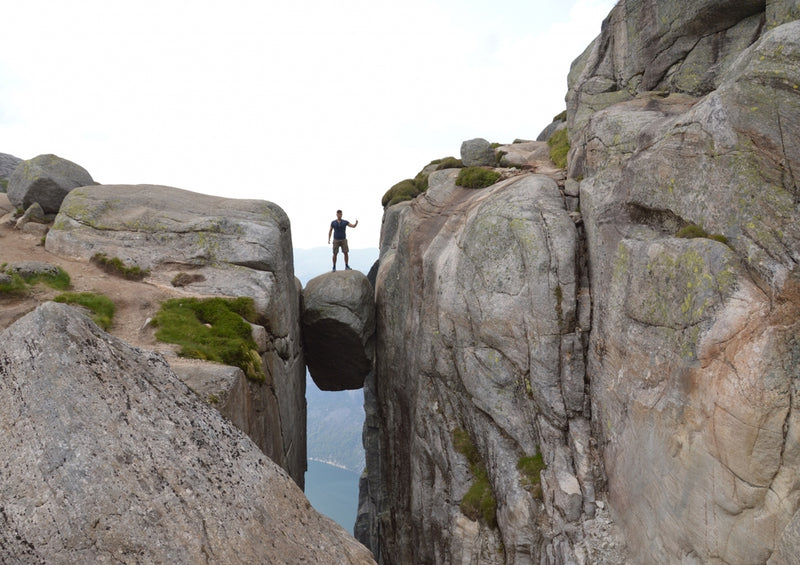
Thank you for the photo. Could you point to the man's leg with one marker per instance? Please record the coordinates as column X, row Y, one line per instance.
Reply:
column 334, row 260
column 346, row 259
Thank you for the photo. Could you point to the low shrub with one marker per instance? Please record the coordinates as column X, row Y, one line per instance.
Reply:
column 183, row 279
column 407, row 189
column 559, row 148
column 213, row 329
column 101, row 307
column 448, row 163
column 477, row 177
column 115, row 266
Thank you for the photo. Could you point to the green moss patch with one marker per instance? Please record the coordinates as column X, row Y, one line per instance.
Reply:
column 213, row 329
column 101, row 307
column 477, row 177
column 692, row 231
column 479, row 503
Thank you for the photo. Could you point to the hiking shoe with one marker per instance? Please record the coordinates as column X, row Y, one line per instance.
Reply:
column 347, row 268
column 334, row 269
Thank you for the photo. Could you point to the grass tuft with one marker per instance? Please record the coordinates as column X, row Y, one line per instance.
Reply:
column 11, row 284
column 115, row 266
column 213, row 329
column 101, row 307
column 15, row 284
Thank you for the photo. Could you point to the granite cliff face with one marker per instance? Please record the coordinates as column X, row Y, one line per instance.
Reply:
column 642, row 340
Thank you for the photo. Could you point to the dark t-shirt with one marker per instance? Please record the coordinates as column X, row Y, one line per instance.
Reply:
column 339, row 229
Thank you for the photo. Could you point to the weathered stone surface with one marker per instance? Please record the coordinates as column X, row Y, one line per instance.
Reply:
column 240, row 247
column 338, row 322
column 34, row 213
column 45, row 179
column 477, row 153
column 248, row 405
column 693, row 358
column 660, row 45
column 547, row 132
column 27, row 269
column 109, row 457
column 5, row 204
column 7, row 165
column 477, row 296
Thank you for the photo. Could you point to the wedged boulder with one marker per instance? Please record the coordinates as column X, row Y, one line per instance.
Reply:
column 231, row 247
column 45, row 180
column 110, row 457
column 338, row 321
column 477, row 153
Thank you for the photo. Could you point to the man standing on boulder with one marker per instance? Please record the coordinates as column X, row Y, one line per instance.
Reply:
column 338, row 228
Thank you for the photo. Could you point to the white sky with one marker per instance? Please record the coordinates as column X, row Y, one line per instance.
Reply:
column 312, row 104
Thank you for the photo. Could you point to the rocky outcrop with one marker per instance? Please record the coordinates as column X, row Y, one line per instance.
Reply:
column 338, row 319
column 240, row 247
column 109, row 457
column 45, row 180
column 658, row 382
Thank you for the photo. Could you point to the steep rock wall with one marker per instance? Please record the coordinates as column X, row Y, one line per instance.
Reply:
column 481, row 314
column 677, row 440
column 693, row 357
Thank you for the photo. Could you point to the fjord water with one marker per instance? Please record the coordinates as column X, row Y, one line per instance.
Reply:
column 333, row 491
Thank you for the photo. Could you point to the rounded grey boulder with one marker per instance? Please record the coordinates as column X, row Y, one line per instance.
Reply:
column 46, row 179
column 477, row 153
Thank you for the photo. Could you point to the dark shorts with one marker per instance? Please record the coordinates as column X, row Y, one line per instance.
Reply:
column 340, row 243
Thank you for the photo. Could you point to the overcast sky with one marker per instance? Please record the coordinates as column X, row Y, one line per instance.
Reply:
column 312, row 104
